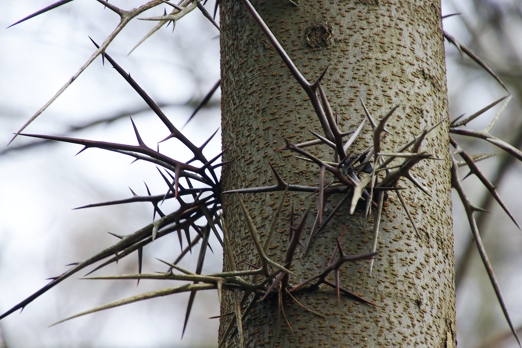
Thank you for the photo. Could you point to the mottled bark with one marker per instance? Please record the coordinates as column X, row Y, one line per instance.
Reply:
column 387, row 53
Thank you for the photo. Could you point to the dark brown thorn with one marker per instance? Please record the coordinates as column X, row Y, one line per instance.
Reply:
column 370, row 118
column 188, row 249
column 133, row 193
column 416, row 183
column 213, row 167
column 275, row 219
column 254, row 235
column 451, row 15
column 474, row 208
column 280, row 182
column 480, row 246
column 307, row 87
column 203, row 102
column 39, row 12
column 155, row 108
column 316, row 141
column 216, row 8
column 319, row 162
column 403, row 203
column 140, row 263
column 209, row 139
column 367, row 113
column 171, row 188
column 350, row 294
column 199, row 268
column 331, row 122
column 155, row 204
column 113, row 8
column 321, row 195
column 315, row 230
column 176, row 181
column 180, row 239
column 116, row 235
column 293, row 241
column 332, row 266
column 474, row 57
column 211, row 219
column 380, row 128
column 207, row 15
column 282, row 310
column 138, row 137
column 491, row 188
column 317, row 83
column 272, row 286
column 274, row 188
column 322, row 139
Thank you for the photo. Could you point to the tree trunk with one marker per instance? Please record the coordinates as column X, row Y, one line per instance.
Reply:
column 387, row 53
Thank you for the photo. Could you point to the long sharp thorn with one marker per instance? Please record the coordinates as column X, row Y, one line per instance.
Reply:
column 380, row 128
column 138, row 137
column 331, row 122
column 376, row 227
column 150, row 33
column 278, row 177
column 255, row 238
column 480, row 246
column 317, row 83
column 208, row 140
column 39, row 12
column 367, row 113
column 307, row 87
column 354, row 136
column 155, row 108
column 275, row 219
column 403, row 203
column 321, row 196
column 416, row 183
column 203, row 102
column 491, row 188
column 497, row 115
column 199, row 267
column 239, row 320
column 474, row 57
column 322, row 139
column 451, row 15
column 468, row 119
column 207, row 15
column 216, row 8
column 98, row 51
column 140, row 263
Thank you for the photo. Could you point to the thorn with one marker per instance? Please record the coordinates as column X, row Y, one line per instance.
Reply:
column 317, row 82
column 138, row 137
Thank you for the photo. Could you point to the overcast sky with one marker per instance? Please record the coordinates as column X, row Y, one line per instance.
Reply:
column 39, row 231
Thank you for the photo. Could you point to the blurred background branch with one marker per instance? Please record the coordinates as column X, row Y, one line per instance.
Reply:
column 40, row 184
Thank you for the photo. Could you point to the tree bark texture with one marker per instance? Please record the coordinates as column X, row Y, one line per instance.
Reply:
column 387, row 53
